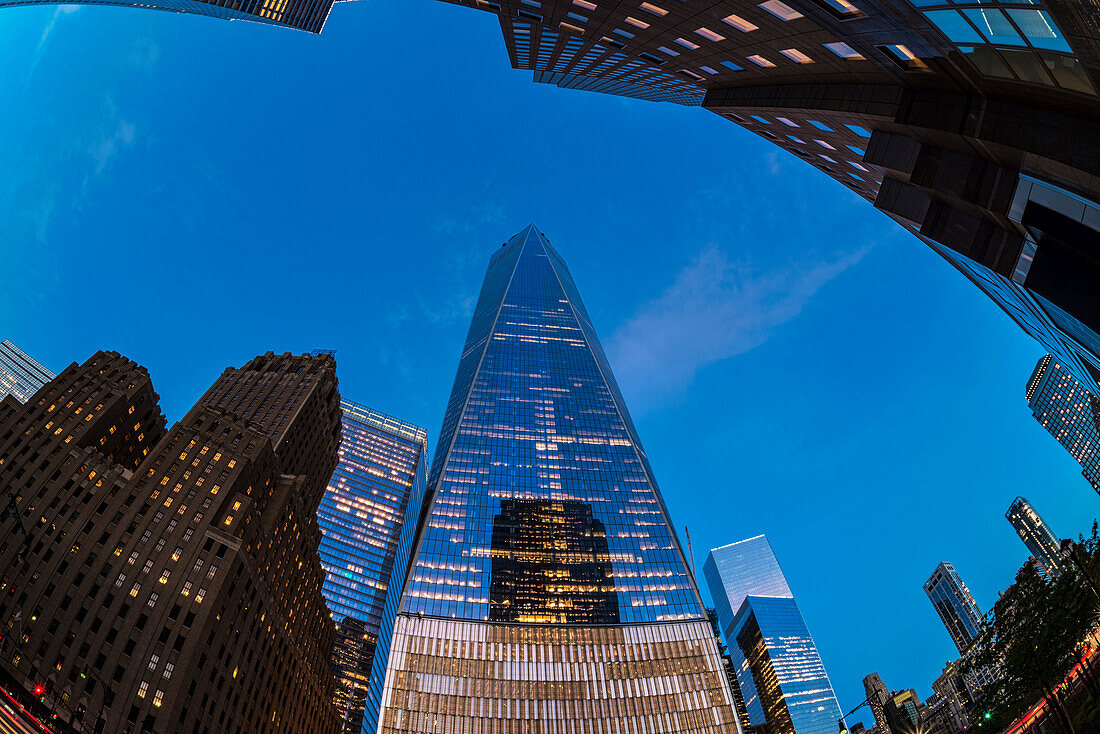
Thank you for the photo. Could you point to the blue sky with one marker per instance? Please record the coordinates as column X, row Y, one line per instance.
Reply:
column 192, row 192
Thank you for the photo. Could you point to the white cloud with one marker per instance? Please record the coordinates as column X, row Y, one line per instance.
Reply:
column 714, row 310
column 118, row 134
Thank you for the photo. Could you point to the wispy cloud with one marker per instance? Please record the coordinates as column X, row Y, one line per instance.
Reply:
column 115, row 133
column 715, row 309
column 47, row 32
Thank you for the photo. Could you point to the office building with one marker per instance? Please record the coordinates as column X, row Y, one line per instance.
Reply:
column 304, row 15
column 1066, row 408
column 168, row 580
column 782, row 679
column 955, row 605
column 877, row 696
column 380, row 477
column 549, row 589
column 969, row 123
column 20, row 375
column 1037, row 536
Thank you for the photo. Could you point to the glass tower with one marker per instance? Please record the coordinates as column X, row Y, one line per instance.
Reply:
column 549, row 591
column 1037, row 536
column 782, row 679
column 1069, row 412
column 955, row 605
column 20, row 375
column 380, row 479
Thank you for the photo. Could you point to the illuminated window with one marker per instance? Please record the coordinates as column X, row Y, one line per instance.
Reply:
column 585, row 4
column 780, row 10
column 710, row 35
column 686, row 43
column 797, row 56
column 760, row 60
column 637, row 23
column 739, row 23
column 651, row 8
column 845, row 51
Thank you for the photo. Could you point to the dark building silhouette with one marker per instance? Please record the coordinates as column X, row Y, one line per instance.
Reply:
column 972, row 124
column 551, row 564
column 164, row 581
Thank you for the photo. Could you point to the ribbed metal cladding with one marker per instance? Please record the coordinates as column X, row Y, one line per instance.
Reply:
column 456, row 677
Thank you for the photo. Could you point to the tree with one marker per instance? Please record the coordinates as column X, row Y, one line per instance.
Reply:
column 1034, row 637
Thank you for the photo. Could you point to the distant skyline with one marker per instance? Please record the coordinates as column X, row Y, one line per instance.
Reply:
column 839, row 388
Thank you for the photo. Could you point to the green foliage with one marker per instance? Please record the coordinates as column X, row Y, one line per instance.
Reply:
column 1034, row 635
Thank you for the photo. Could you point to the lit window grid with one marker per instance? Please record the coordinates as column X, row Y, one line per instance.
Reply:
column 540, row 422
column 779, row 668
column 1037, row 536
column 362, row 511
column 1063, row 406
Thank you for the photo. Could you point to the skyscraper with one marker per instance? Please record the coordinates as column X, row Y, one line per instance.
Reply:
column 549, row 590
column 955, row 605
column 380, row 478
column 877, row 696
column 20, row 375
column 783, row 681
column 1037, row 536
column 956, row 119
column 1068, row 411
column 168, row 580
column 305, row 15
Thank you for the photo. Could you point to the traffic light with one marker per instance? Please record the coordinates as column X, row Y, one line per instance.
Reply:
column 843, row 728
column 987, row 715
column 40, row 691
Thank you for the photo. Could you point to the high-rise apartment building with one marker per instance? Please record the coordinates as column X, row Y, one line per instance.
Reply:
column 168, row 580
column 877, row 696
column 970, row 123
column 955, row 605
column 1037, row 536
column 1066, row 408
column 20, row 375
column 304, row 15
column 781, row 676
column 549, row 591
column 379, row 480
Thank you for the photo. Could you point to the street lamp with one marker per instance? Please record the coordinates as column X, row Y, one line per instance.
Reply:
column 841, row 723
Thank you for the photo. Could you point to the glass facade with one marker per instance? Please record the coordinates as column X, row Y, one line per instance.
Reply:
column 1066, row 408
column 379, row 480
column 955, row 605
column 782, row 678
column 1037, row 536
column 549, row 592
column 20, row 375
column 536, row 417
column 735, row 571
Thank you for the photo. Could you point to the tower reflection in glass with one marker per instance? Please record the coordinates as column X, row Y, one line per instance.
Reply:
column 551, row 564
column 549, row 592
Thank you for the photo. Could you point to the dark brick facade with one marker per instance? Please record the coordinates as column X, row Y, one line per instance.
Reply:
column 169, row 581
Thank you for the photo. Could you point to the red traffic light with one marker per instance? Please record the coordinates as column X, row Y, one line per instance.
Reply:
column 39, row 690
